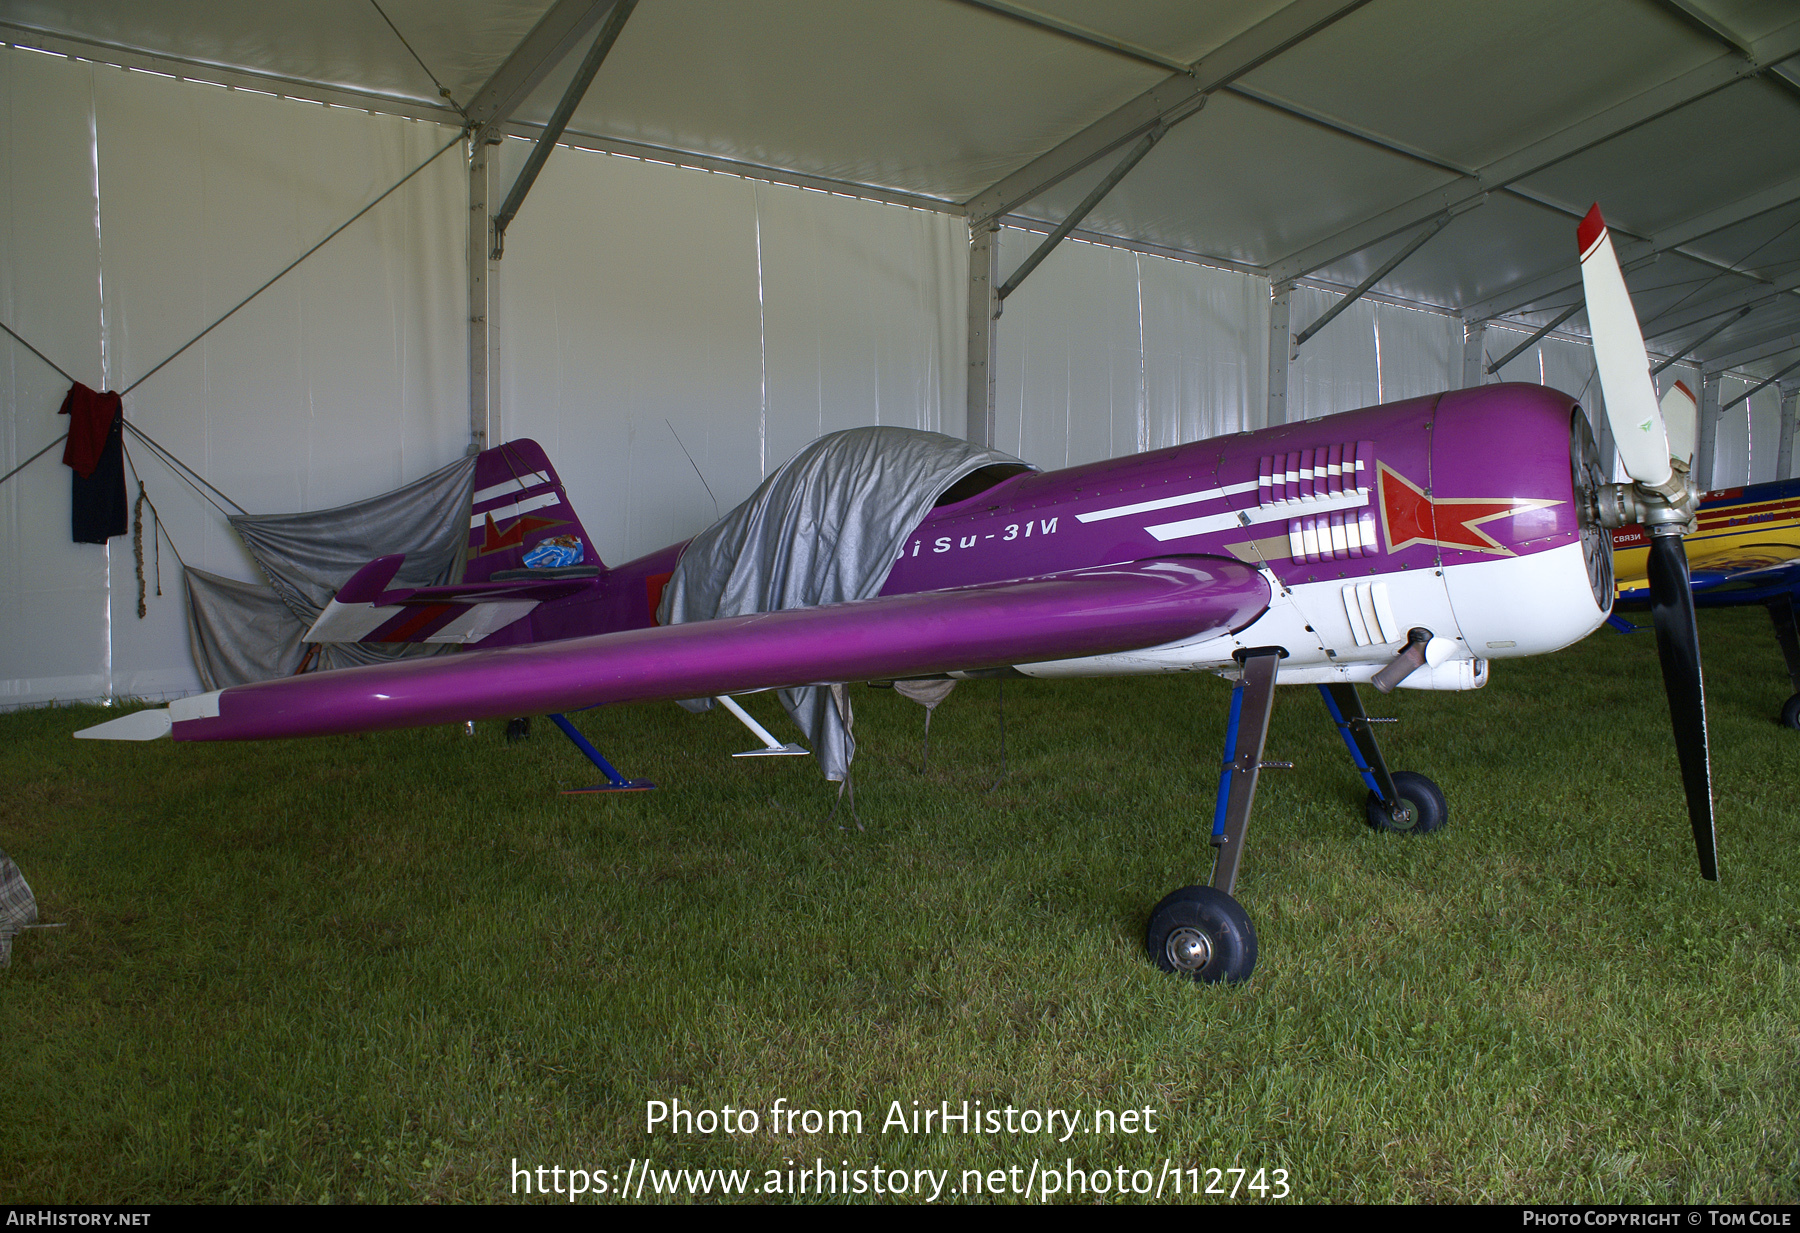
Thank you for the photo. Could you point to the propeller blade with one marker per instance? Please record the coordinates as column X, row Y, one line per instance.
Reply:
column 1681, row 419
column 1619, row 355
column 1678, row 645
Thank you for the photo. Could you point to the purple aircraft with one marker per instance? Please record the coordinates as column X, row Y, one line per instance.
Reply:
column 1408, row 544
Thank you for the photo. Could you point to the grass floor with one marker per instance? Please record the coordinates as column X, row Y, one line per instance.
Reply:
column 392, row 967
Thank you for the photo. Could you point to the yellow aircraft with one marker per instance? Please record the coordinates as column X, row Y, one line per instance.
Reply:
column 1745, row 550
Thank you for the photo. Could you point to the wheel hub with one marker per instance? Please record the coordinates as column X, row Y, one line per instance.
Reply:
column 1189, row 950
column 1404, row 815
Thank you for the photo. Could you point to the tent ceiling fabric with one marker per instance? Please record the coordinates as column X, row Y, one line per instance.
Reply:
column 939, row 99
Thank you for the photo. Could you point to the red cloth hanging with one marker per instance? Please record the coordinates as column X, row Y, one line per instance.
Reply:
column 91, row 417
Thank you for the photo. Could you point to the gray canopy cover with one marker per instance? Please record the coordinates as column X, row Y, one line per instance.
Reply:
column 823, row 529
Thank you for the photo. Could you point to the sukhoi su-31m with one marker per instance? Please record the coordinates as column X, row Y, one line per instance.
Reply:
column 1411, row 544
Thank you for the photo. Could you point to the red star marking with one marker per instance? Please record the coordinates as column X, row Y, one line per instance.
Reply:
column 493, row 539
column 1410, row 517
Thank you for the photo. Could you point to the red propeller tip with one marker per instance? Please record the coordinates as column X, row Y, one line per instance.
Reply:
column 1589, row 233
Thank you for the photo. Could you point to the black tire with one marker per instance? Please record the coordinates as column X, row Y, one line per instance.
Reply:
column 1790, row 714
column 1202, row 934
column 1422, row 807
column 518, row 729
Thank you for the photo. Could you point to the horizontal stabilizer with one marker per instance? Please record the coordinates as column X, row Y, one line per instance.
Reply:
column 463, row 612
column 138, row 726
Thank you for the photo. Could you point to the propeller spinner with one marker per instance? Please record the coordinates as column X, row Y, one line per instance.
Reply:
column 1663, row 499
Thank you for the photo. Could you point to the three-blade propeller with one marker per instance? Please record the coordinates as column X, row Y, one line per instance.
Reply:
column 1646, row 438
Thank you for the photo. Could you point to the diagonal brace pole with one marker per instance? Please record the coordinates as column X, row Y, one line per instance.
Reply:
column 559, row 119
column 1145, row 144
column 1362, row 288
column 1561, row 317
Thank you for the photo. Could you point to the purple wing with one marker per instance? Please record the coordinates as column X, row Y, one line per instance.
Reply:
column 1059, row 616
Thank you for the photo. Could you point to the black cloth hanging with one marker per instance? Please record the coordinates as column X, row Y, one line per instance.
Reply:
column 95, row 453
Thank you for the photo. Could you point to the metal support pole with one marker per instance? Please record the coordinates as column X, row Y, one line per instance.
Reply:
column 1561, row 317
column 1787, row 635
column 615, row 782
column 1362, row 288
column 1281, row 352
column 1355, row 726
column 559, row 119
column 1474, row 351
column 1790, row 413
column 984, row 339
column 1759, row 387
column 479, row 342
column 1705, row 338
column 1131, row 159
column 1706, row 456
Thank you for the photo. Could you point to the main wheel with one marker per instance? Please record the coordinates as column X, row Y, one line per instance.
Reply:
column 1790, row 714
column 1422, row 808
column 1202, row 934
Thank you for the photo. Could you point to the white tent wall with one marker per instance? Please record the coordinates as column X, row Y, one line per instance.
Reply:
column 53, row 594
column 1749, row 435
column 641, row 303
column 1372, row 352
column 1106, row 352
column 140, row 209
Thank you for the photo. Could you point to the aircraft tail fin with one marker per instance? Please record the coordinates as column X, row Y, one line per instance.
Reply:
column 520, row 517
column 525, row 547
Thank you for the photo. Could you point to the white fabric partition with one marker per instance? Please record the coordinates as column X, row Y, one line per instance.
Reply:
column 53, row 594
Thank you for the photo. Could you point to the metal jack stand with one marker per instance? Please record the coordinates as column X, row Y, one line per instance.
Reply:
column 616, row 782
column 1246, row 732
column 1781, row 613
column 772, row 748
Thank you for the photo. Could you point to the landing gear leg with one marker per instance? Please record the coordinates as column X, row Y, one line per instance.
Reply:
column 1201, row 932
column 1401, row 801
column 1787, row 633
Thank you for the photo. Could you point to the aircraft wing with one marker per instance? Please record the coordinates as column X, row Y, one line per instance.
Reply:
column 1749, row 574
column 1092, row 611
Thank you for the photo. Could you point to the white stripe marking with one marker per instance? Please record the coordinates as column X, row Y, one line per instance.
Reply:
column 1231, row 521
column 503, row 512
column 1188, row 498
column 517, row 484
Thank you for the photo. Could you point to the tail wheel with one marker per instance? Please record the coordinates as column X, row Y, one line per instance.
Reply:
column 1420, row 810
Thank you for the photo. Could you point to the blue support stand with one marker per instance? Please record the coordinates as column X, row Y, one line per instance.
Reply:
column 615, row 781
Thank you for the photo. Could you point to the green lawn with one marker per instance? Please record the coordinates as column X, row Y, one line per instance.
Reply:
column 388, row 967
